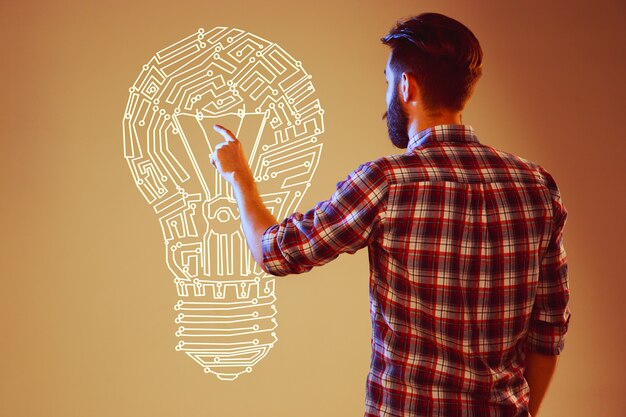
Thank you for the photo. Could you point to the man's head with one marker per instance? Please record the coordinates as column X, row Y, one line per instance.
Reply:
column 434, row 63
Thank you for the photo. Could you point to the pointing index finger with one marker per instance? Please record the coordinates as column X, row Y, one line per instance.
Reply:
column 227, row 134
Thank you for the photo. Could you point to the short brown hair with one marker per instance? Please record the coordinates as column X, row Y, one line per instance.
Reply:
column 441, row 53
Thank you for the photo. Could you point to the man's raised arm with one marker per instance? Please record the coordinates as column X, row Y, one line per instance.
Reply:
column 230, row 161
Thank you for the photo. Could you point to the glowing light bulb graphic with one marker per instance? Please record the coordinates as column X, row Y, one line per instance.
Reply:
column 226, row 309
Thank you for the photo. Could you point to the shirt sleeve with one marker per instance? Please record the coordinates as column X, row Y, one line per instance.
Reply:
column 551, row 315
column 346, row 222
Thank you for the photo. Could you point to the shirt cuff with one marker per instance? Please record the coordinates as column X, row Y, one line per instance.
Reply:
column 547, row 338
column 273, row 259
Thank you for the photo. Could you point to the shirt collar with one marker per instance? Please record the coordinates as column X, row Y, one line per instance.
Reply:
column 443, row 133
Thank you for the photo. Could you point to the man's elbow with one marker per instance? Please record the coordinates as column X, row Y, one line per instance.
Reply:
column 263, row 266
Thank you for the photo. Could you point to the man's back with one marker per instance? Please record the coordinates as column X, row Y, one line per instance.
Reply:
column 456, row 273
column 467, row 271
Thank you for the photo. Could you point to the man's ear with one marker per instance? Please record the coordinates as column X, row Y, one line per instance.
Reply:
column 404, row 87
column 409, row 90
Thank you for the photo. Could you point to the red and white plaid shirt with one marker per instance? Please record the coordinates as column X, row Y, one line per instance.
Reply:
column 467, row 271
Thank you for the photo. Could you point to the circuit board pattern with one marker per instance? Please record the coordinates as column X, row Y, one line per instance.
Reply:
column 226, row 310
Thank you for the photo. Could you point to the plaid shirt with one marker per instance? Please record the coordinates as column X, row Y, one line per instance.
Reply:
column 468, row 271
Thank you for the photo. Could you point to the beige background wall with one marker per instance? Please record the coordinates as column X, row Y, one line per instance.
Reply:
column 86, row 302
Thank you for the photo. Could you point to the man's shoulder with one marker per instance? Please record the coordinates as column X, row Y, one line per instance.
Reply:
column 516, row 161
column 384, row 168
column 368, row 174
column 541, row 174
column 378, row 173
column 399, row 168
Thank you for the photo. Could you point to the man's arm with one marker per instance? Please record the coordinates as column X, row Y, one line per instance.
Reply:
column 550, row 315
column 228, row 158
column 344, row 223
column 538, row 374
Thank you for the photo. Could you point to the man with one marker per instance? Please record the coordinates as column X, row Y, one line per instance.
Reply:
column 468, row 286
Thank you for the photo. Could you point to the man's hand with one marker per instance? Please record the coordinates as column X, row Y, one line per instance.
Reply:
column 228, row 158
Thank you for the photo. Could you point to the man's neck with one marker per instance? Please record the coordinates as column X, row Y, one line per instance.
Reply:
column 426, row 120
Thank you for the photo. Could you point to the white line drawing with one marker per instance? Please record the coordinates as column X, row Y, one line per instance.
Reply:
column 226, row 76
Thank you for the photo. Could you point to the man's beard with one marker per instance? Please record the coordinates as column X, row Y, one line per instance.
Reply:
column 397, row 122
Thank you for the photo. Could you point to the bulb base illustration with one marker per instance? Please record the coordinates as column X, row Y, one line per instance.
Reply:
column 226, row 326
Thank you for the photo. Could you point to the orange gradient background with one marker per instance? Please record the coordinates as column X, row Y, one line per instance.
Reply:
column 87, row 301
